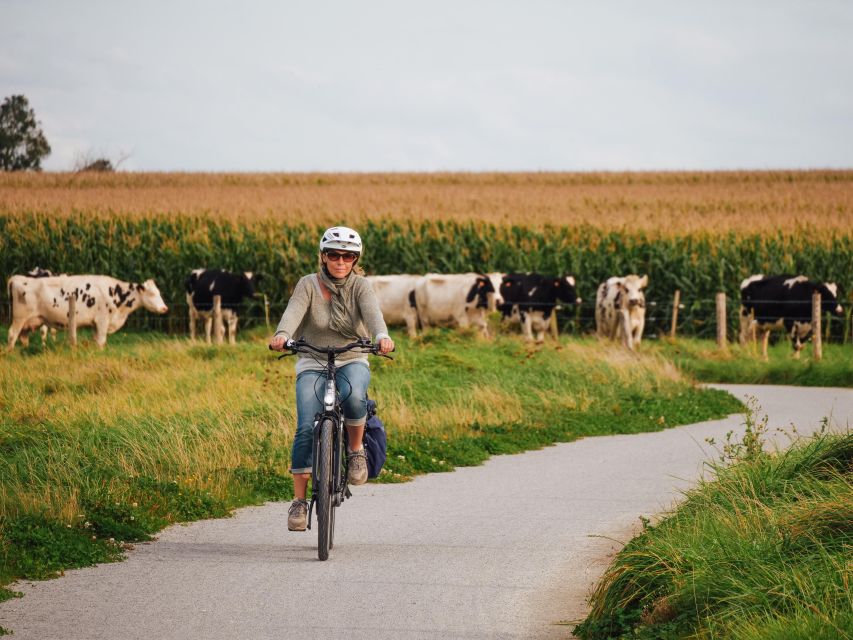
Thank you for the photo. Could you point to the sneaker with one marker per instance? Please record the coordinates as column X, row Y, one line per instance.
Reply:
column 297, row 515
column 357, row 467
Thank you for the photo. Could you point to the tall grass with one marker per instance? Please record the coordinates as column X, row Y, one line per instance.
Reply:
column 702, row 360
column 118, row 443
column 168, row 248
column 761, row 552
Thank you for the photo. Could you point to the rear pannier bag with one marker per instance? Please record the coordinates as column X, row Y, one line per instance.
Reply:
column 375, row 443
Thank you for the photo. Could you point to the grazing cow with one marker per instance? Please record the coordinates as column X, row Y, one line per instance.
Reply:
column 530, row 299
column 454, row 300
column 620, row 309
column 396, row 295
column 203, row 284
column 101, row 301
column 783, row 302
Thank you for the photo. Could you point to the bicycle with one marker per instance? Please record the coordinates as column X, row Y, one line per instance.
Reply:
column 329, row 486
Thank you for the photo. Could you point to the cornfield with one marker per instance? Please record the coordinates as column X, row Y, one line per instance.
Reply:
column 665, row 204
column 167, row 248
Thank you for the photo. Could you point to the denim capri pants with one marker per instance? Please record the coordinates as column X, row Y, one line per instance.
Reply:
column 351, row 380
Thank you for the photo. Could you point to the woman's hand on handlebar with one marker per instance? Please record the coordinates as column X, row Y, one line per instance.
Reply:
column 280, row 343
column 386, row 345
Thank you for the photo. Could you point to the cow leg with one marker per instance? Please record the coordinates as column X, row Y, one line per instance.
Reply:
column 527, row 326
column 208, row 328
column 44, row 334
column 483, row 324
column 193, row 316
column 600, row 330
column 15, row 330
column 615, row 326
column 796, row 343
column 765, row 339
column 411, row 318
column 102, row 325
column 625, row 326
column 638, row 330
column 24, row 337
column 232, row 329
column 745, row 324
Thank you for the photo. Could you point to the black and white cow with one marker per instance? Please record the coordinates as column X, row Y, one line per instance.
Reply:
column 454, row 300
column 783, row 302
column 101, row 302
column 530, row 298
column 620, row 309
column 203, row 284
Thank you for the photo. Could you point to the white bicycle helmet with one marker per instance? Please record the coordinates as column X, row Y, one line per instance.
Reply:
column 341, row 238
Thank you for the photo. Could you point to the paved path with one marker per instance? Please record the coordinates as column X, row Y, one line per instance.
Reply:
column 504, row 550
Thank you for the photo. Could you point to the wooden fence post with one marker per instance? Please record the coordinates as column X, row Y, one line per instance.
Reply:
column 676, row 300
column 553, row 329
column 817, row 343
column 721, row 321
column 72, row 320
column 218, row 328
column 267, row 310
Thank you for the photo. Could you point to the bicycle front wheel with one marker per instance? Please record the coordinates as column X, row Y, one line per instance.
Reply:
column 324, row 489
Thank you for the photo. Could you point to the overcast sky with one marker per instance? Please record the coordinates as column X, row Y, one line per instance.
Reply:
column 438, row 85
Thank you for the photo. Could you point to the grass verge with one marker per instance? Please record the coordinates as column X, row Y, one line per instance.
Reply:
column 104, row 448
column 702, row 360
column 760, row 553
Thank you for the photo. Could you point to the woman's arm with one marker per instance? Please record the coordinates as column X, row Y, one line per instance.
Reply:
column 296, row 309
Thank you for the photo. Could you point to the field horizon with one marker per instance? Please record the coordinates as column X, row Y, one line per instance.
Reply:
column 663, row 203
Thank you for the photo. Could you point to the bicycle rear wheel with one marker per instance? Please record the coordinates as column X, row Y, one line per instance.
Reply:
column 324, row 489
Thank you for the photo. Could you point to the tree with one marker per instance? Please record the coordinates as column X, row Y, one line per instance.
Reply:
column 22, row 142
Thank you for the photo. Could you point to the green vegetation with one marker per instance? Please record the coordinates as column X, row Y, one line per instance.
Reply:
column 762, row 552
column 167, row 248
column 702, row 360
column 101, row 448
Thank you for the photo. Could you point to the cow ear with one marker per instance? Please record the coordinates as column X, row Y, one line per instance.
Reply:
column 644, row 281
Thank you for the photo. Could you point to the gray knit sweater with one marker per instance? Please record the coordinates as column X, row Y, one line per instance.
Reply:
column 307, row 316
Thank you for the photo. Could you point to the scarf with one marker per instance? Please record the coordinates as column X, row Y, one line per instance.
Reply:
column 342, row 311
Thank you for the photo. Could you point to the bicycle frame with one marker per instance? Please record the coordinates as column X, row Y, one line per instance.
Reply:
column 331, row 411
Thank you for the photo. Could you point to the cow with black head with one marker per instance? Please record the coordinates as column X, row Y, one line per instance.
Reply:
column 784, row 302
column 203, row 284
column 531, row 298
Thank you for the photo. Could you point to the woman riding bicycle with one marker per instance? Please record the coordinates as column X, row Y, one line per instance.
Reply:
column 331, row 308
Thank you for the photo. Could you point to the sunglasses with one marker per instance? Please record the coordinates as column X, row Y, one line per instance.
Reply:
column 335, row 255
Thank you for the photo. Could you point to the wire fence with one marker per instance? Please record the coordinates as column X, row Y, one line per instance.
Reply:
column 696, row 318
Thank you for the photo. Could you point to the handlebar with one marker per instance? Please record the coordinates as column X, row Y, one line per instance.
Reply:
column 363, row 345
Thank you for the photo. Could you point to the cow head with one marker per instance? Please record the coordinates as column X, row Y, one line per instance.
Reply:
column 830, row 298
column 38, row 272
column 565, row 289
column 482, row 290
column 632, row 289
column 150, row 296
column 248, row 283
column 496, row 300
